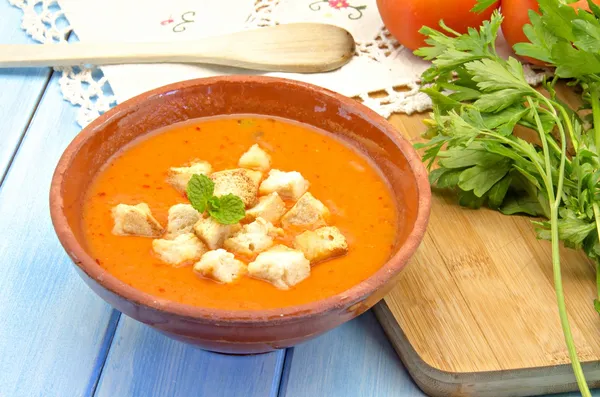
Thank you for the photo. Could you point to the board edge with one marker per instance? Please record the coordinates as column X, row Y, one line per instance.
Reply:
column 503, row 383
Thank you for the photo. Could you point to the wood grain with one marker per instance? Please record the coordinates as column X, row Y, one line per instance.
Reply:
column 54, row 328
column 475, row 312
column 20, row 90
column 143, row 362
column 296, row 48
column 353, row 360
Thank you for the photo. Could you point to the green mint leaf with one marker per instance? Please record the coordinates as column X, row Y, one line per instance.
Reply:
column 199, row 190
column 214, row 203
column 597, row 305
column 483, row 5
column 480, row 179
column 227, row 209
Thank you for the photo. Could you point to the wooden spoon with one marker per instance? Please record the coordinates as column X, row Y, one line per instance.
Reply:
column 299, row 47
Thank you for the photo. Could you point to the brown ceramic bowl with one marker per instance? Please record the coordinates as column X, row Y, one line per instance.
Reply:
column 240, row 332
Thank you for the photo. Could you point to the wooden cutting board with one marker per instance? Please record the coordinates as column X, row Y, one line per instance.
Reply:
column 475, row 312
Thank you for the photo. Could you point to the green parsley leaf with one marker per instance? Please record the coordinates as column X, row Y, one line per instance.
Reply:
column 557, row 18
column 594, row 7
column 573, row 62
column 597, row 305
column 541, row 40
column 522, row 205
column 199, row 190
column 482, row 5
column 498, row 100
column 498, row 192
column 449, row 180
column 480, row 179
column 227, row 209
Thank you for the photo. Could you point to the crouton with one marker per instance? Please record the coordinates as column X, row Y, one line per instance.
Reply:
column 179, row 177
column 308, row 212
column 281, row 266
column 256, row 177
column 212, row 233
column 182, row 218
column 271, row 208
column 220, row 266
column 255, row 158
column 182, row 250
column 321, row 244
column 243, row 183
column 253, row 238
column 135, row 220
column 289, row 185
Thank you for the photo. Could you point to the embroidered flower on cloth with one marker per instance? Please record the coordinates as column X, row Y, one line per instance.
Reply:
column 337, row 4
column 354, row 12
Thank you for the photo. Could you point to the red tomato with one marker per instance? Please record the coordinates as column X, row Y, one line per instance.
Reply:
column 515, row 14
column 404, row 18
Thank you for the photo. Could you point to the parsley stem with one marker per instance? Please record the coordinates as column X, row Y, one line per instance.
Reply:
column 597, row 219
column 596, row 117
column 555, row 198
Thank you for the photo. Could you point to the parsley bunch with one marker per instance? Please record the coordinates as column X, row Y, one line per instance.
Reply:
column 479, row 98
column 227, row 209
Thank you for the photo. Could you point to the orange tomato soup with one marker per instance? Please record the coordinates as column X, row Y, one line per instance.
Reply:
column 353, row 189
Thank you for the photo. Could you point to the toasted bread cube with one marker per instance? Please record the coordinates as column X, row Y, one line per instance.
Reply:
column 179, row 177
column 182, row 250
column 281, row 266
column 212, row 233
column 182, row 218
column 289, row 185
column 308, row 212
column 321, row 244
column 135, row 220
column 271, row 208
column 240, row 182
column 220, row 266
column 256, row 177
column 255, row 158
column 253, row 238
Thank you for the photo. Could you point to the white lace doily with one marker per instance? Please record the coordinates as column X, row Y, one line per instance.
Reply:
column 379, row 66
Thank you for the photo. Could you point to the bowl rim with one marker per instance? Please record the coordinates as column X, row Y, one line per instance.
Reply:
column 289, row 314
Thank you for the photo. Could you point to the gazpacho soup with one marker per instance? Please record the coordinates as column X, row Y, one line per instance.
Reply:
column 240, row 212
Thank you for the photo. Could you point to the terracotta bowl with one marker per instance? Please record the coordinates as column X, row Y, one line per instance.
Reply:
column 240, row 332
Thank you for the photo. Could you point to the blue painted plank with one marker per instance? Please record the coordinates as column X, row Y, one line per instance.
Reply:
column 54, row 330
column 143, row 362
column 355, row 359
column 20, row 89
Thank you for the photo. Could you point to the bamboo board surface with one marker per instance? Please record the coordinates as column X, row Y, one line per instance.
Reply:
column 475, row 311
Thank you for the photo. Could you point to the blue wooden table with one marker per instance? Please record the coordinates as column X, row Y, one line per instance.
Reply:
column 59, row 339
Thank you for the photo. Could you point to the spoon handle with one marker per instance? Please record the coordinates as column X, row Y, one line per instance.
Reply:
column 301, row 48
